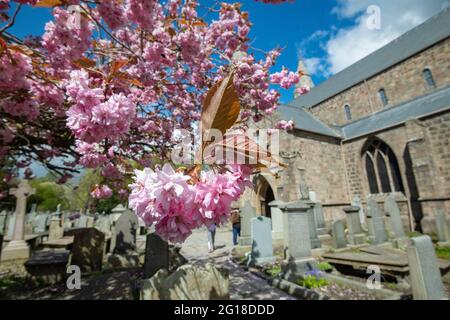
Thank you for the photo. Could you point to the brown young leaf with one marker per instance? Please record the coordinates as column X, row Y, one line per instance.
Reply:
column 221, row 107
column 84, row 63
column 116, row 65
column 48, row 3
column 245, row 148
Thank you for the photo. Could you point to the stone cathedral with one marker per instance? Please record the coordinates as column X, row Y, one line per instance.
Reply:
column 380, row 127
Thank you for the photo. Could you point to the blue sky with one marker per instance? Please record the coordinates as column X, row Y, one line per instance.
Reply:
column 328, row 34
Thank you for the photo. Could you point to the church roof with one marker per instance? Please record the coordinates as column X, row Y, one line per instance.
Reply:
column 412, row 42
column 305, row 121
column 436, row 101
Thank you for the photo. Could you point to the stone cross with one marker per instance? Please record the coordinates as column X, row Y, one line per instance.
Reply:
column 426, row 280
column 247, row 214
column 261, row 234
column 21, row 193
column 17, row 248
column 375, row 221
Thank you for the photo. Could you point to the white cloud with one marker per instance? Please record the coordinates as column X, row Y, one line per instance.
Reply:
column 352, row 44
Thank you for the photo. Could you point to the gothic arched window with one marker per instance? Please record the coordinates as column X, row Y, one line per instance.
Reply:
column 348, row 112
column 383, row 97
column 382, row 169
column 428, row 76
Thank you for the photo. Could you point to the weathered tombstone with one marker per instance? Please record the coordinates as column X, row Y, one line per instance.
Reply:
column 90, row 222
column 304, row 190
column 277, row 221
column 3, row 217
column 314, row 236
column 339, row 234
column 247, row 214
column 103, row 224
column 297, row 242
column 126, row 228
column 17, row 248
column 56, row 230
column 426, row 281
column 87, row 249
column 188, row 282
column 356, row 235
column 156, row 255
column 375, row 221
column 41, row 223
column 356, row 202
column 81, row 222
column 319, row 219
column 313, row 196
column 261, row 234
column 392, row 211
column 442, row 227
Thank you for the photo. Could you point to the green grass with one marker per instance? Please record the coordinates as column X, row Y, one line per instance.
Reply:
column 443, row 252
column 312, row 282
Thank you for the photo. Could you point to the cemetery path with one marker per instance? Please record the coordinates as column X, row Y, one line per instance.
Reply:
column 244, row 285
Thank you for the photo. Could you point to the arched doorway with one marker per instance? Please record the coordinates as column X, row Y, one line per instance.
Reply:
column 265, row 196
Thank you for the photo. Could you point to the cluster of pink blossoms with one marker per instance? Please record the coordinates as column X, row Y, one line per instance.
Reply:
column 166, row 199
column 101, row 192
column 285, row 78
column 93, row 118
column 285, row 125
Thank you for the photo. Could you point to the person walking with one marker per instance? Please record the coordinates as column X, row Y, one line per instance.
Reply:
column 236, row 223
column 211, row 237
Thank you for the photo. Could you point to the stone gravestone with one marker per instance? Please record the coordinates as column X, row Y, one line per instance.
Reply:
column 247, row 214
column 277, row 221
column 17, row 248
column 375, row 222
column 87, row 249
column 156, row 255
column 126, row 230
column 393, row 212
column 356, row 202
column 339, row 234
column 442, row 227
column 56, row 230
column 314, row 236
column 81, row 222
column 297, row 243
column 319, row 219
column 103, row 224
column 262, row 247
column 426, row 281
column 3, row 217
column 41, row 223
column 356, row 235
